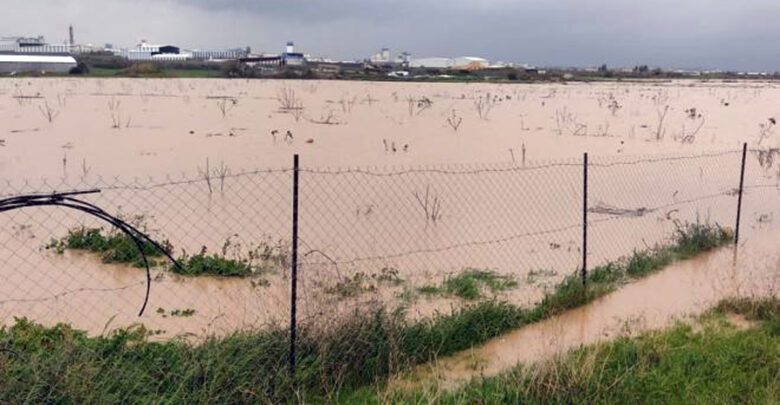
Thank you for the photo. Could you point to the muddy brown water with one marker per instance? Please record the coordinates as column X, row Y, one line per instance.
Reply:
column 360, row 200
column 678, row 293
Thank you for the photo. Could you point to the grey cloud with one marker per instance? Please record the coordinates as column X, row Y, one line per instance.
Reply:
column 693, row 33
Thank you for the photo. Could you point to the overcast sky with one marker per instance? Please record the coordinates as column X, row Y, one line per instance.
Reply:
column 728, row 34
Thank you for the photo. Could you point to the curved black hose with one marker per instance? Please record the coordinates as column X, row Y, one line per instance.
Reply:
column 67, row 200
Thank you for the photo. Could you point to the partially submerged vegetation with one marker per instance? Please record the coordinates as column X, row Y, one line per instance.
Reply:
column 60, row 364
column 114, row 246
column 471, row 284
column 717, row 363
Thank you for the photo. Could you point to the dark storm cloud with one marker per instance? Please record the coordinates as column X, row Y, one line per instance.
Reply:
column 692, row 33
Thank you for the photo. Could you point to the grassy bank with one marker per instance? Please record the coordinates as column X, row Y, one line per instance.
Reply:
column 714, row 364
column 39, row 365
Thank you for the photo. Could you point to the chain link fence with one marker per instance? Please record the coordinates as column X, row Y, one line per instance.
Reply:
column 402, row 237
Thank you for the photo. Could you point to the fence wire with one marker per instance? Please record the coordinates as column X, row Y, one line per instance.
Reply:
column 401, row 237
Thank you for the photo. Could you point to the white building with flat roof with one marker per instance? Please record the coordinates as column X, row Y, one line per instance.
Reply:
column 36, row 63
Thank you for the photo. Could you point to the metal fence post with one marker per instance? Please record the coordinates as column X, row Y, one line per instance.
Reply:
column 294, row 276
column 585, row 219
column 741, row 187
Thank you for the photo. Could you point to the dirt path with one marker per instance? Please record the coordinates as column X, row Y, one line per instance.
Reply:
column 682, row 290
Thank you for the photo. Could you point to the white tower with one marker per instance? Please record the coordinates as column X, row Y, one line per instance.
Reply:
column 290, row 47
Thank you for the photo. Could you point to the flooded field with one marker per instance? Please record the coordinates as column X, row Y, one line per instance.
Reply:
column 402, row 186
column 680, row 293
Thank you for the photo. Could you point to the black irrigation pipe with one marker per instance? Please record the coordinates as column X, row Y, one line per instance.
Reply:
column 67, row 200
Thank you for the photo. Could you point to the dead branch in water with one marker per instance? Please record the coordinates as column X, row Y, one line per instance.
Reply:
column 431, row 205
column 49, row 113
column 660, row 131
column 454, row 121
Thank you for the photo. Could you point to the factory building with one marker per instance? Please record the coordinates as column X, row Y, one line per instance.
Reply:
column 36, row 63
column 461, row 63
column 219, row 54
column 292, row 58
column 436, row 63
column 470, row 63
column 168, row 53
column 383, row 57
column 32, row 45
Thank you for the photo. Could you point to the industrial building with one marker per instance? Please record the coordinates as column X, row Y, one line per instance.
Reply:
column 32, row 45
column 383, row 57
column 36, row 63
column 145, row 52
column 292, row 58
column 460, row 63
column 219, row 54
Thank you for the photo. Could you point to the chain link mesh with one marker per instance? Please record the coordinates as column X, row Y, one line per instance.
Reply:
column 394, row 236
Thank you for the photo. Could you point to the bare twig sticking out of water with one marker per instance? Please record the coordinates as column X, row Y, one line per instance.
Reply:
column 347, row 104
column 417, row 106
column 369, row 100
column 116, row 117
column 62, row 100
column 523, row 150
column 563, row 120
column 454, row 120
column 660, row 131
column 484, row 105
column 690, row 137
column 766, row 129
column 84, row 169
column 221, row 172
column 613, row 107
column 431, row 205
column 287, row 99
column 23, row 99
column 225, row 105
column 297, row 112
column 512, row 153
column 49, row 113
column 206, row 174
column 113, row 104
column 330, row 119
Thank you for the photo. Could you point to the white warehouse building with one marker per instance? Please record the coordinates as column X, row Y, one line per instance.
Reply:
column 463, row 62
column 36, row 63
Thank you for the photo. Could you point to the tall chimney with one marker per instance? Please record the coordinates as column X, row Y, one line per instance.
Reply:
column 71, row 42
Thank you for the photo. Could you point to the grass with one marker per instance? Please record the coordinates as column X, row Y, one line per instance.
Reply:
column 214, row 265
column 62, row 365
column 470, row 284
column 717, row 364
column 359, row 283
column 115, row 246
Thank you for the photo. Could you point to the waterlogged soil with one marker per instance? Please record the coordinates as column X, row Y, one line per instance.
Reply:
column 387, row 184
column 678, row 293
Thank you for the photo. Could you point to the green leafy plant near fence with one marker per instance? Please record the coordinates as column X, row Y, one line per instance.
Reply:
column 59, row 364
column 115, row 246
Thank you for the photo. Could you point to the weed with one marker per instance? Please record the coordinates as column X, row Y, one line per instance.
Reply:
column 183, row 312
column 470, row 284
column 114, row 247
column 215, row 265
